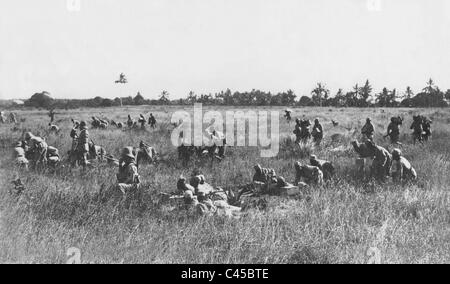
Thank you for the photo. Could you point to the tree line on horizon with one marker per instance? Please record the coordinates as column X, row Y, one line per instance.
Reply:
column 359, row 96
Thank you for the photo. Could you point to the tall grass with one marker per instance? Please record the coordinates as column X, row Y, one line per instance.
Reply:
column 339, row 222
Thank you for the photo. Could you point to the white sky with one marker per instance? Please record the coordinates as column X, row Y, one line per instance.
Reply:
column 210, row 45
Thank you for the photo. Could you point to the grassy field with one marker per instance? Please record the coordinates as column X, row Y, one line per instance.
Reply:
column 346, row 221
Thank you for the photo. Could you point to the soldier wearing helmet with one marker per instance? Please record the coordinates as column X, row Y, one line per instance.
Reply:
column 317, row 131
column 393, row 130
column 325, row 166
column 309, row 174
column 83, row 144
column 128, row 177
column 368, row 130
column 37, row 149
column 401, row 169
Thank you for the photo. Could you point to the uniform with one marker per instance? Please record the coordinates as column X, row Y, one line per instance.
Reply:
column 393, row 131
column 368, row 130
column 52, row 157
column 325, row 166
column 37, row 149
column 381, row 162
column 401, row 169
column 128, row 177
column 317, row 132
column 417, row 128
column 264, row 175
column 310, row 174
column 19, row 156
column 83, row 144
column 12, row 118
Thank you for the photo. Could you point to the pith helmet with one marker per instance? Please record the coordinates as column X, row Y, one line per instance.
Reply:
column 128, row 152
column 83, row 124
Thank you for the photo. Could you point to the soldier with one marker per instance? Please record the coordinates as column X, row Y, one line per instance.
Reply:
column 190, row 201
column 368, row 130
column 264, row 175
column 317, row 132
column 393, row 130
column 128, row 177
column 142, row 121
column 12, row 118
column 83, row 144
column 37, row 149
column 205, row 206
column 325, row 166
column 426, row 125
column 53, row 158
column 95, row 122
column 309, row 174
column 381, row 163
column 130, row 121
column 363, row 149
column 2, row 117
column 401, row 169
column 199, row 183
column 287, row 114
column 218, row 141
column 417, row 128
column 152, row 120
column 19, row 155
column 305, row 132
column 145, row 153
column 51, row 114
column 96, row 151
column 297, row 130
column 182, row 186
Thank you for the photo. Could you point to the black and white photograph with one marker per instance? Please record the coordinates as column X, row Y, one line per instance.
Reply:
column 244, row 134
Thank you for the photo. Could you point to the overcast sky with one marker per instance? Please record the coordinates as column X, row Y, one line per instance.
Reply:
column 210, row 45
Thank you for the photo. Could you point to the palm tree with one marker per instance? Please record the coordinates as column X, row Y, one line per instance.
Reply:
column 430, row 87
column 164, row 96
column 408, row 93
column 319, row 93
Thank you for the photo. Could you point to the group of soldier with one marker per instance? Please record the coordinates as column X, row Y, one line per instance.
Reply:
column 199, row 195
column 303, row 133
column 4, row 118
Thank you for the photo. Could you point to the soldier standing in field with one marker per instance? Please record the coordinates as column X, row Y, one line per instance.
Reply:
column 12, row 118
column 298, row 130
column 417, row 128
column 305, row 132
column 368, row 130
column 393, row 130
column 128, row 177
column 317, row 132
column 142, row 121
column 426, row 125
column 83, row 144
column 51, row 114
column 152, row 120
